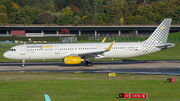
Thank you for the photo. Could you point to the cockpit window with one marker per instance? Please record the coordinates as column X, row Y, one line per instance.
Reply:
column 12, row 50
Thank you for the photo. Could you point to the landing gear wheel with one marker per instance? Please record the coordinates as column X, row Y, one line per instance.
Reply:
column 23, row 63
column 88, row 63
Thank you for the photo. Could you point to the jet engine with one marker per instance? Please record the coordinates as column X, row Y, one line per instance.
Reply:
column 73, row 60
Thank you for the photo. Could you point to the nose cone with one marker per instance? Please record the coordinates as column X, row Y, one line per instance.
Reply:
column 5, row 55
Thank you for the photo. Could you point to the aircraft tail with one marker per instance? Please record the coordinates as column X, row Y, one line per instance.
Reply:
column 157, row 40
column 160, row 35
column 47, row 98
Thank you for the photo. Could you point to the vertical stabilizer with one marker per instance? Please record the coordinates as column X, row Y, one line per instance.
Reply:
column 157, row 39
column 160, row 35
column 47, row 98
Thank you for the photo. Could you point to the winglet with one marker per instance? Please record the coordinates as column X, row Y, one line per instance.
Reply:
column 109, row 48
column 103, row 40
column 47, row 98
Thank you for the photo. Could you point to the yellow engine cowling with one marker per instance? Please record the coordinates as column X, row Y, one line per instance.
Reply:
column 72, row 60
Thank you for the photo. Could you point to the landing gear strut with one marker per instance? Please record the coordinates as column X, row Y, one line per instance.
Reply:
column 88, row 63
column 23, row 63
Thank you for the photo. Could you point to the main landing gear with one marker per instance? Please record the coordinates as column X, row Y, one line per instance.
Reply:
column 23, row 63
column 88, row 63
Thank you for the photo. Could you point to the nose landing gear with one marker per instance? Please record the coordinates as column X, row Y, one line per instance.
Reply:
column 23, row 63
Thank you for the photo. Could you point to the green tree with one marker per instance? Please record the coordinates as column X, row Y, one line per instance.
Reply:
column 85, row 8
column 59, row 5
column 77, row 19
column 45, row 18
column 130, row 9
column 121, row 20
column 9, row 6
column 33, row 3
column 3, row 18
column 97, row 7
column 134, row 20
column 153, row 13
column 28, row 13
column 116, row 10
column 3, row 9
column 25, row 20
column 173, row 4
column 64, row 20
column 165, row 1
column 67, row 11
column 106, row 18
column 91, row 19
column 106, row 15
column 176, row 16
column 48, row 6
column 57, row 16
column 12, row 18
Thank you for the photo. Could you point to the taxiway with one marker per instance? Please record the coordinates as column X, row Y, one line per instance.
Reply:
column 170, row 67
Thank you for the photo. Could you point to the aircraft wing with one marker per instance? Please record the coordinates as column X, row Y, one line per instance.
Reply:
column 96, row 54
column 92, row 53
column 103, row 40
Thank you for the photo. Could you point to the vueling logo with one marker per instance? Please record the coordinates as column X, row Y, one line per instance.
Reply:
column 34, row 46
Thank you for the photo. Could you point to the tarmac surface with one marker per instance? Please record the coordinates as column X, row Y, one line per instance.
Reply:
column 169, row 67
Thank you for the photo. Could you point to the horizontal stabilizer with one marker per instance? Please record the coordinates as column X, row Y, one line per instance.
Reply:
column 167, row 45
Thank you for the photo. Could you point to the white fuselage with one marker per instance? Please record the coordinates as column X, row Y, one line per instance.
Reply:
column 59, row 51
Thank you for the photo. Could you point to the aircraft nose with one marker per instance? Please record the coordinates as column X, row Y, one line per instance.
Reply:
column 5, row 55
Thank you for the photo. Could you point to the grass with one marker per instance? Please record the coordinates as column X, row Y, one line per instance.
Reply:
column 84, row 87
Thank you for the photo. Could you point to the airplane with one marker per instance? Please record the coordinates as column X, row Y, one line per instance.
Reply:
column 76, row 53
column 47, row 98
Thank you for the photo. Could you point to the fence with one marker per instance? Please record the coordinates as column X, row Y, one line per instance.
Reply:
column 126, row 37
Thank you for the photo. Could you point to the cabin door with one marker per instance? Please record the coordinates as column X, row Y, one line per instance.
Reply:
column 23, row 50
column 56, row 49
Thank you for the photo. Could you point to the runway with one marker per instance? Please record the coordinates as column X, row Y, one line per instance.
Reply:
column 169, row 67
